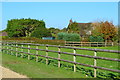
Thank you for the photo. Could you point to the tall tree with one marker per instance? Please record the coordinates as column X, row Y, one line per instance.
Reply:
column 23, row 27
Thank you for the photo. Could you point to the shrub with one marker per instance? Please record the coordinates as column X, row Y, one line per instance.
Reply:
column 96, row 39
column 69, row 36
column 60, row 36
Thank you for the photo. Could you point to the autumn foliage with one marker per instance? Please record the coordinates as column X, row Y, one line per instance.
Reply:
column 105, row 29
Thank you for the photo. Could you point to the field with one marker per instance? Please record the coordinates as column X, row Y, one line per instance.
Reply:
column 41, row 70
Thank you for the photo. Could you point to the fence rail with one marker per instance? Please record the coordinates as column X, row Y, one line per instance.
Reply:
column 59, row 52
column 97, row 44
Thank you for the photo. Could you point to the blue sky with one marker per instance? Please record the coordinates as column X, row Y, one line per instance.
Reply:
column 58, row 14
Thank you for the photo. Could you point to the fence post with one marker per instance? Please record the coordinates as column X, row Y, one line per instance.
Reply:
column 65, row 43
column 11, row 48
column 36, row 53
column 46, row 54
column 1, row 46
column 105, row 44
column 7, row 47
column 90, row 44
column 95, row 62
column 59, row 56
column 73, row 43
column 97, row 44
column 22, row 51
column 81, row 44
column 28, row 52
column 74, row 59
column 16, row 50
column 112, row 43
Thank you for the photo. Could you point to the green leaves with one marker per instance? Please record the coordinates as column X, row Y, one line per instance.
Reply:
column 41, row 32
column 68, row 36
column 96, row 39
column 23, row 27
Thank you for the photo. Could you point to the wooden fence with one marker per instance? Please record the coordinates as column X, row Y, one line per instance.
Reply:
column 10, row 45
column 90, row 44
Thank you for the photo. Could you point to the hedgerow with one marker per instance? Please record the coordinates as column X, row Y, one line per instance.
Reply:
column 36, row 40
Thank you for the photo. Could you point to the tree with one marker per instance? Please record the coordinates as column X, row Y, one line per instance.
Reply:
column 54, row 31
column 23, row 27
column 39, row 33
column 105, row 29
column 64, row 30
column 73, row 28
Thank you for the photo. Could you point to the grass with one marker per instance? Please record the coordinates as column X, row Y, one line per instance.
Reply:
column 33, row 69
column 23, row 68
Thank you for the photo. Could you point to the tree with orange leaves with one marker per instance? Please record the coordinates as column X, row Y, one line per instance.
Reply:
column 105, row 29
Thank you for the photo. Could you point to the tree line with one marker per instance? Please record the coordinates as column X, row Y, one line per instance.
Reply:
column 100, row 31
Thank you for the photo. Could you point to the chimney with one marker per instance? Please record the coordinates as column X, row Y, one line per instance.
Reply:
column 71, row 21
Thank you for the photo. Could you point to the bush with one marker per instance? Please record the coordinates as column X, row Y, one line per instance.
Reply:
column 69, row 36
column 96, row 39
column 60, row 36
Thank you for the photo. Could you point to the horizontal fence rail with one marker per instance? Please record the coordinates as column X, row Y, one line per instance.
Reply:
column 16, row 45
column 90, row 44
column 71, row 53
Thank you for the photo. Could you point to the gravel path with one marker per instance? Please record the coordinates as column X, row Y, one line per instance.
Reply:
column 7, row 73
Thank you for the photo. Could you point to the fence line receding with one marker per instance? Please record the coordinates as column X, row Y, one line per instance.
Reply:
column 7, row 45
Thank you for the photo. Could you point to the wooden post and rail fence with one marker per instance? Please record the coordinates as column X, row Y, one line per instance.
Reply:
column 8, row 46
column 90, row 44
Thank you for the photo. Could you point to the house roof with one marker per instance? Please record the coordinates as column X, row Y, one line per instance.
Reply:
column 84, row 27
column 3, row 34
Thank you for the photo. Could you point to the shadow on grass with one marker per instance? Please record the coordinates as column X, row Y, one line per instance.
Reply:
column 70, row 67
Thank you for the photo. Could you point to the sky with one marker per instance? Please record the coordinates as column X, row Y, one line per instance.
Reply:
column 59, row 0
column 58, row 14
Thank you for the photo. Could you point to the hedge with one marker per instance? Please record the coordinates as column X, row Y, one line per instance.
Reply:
column 36, row 40
column 68, row 36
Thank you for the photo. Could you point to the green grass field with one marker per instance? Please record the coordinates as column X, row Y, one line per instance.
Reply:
column 33, row 69
column 41, row 70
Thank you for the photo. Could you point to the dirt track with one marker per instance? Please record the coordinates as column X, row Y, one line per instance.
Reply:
column 7, row 73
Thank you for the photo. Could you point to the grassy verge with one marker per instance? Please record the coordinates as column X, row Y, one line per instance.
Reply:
column 33, row 69
column 66, row 68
